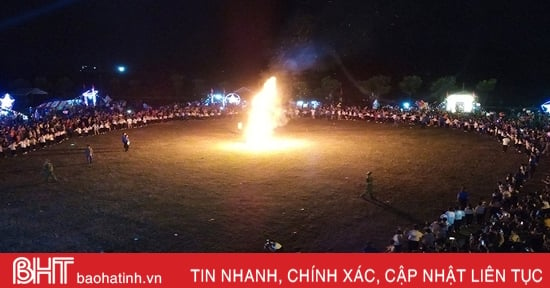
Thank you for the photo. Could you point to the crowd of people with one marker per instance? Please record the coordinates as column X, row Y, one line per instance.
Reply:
column 511, row 220
column 19, row 137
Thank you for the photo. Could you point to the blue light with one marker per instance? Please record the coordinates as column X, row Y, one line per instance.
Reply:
column 546, row 107
column 315, row 104
column 375, row 104
column 121, row 69
column 406, row 105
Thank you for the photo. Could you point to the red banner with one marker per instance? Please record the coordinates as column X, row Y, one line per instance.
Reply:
column 274, row 270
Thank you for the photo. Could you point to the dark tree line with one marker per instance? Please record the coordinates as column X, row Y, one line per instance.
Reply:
column 327, row 88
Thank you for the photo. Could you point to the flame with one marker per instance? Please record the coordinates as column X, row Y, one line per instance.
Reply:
column 264, row 115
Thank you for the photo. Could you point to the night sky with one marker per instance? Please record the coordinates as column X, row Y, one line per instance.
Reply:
column 235, row 40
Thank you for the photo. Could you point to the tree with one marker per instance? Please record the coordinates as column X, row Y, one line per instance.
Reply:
column 375, row 86
column 442, row 86
column 331, row 88
column 410, row 84
column 301, row 89
column 65, row 87
column 135, row 89
column 178, row 85
column 225, row 85
column 42, row 82
column 200, row 89
column 485, row 87
column 20, row 83
column 115, row 87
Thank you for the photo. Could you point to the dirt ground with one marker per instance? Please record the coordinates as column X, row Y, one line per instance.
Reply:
column 184, row 186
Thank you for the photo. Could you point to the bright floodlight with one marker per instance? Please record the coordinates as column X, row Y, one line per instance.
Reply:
column 7, row 102
column 546, row 107
column 90, row 96
column 233, row 98
column 121, row 69
column 375, row 104
column 315, row 104
column 461, row 102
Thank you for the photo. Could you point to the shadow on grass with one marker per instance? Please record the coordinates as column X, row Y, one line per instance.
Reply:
column 35, row 185
column 38, row 170
column 388, row 207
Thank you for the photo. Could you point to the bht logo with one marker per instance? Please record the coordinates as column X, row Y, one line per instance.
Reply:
column 27, row 271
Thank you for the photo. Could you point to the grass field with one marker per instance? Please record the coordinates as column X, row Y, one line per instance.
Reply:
column 180, row 189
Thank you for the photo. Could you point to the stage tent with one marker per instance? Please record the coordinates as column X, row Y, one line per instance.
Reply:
column 28, row 97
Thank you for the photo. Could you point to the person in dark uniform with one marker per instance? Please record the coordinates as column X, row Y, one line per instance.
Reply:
column 126, row 141
column 47, row 171
column 89, row 152
column 368, row 189
column 369, row 185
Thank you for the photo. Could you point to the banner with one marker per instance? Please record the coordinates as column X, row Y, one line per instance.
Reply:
column 274, row 270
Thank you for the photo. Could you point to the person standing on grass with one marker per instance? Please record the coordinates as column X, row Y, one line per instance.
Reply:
column 469, row 214
column 479, row 212
column 368, row 188
column 413, row 239
column 126, row 141
column 462, row 197
column 47, row 171
column 89, row 152
column 397, row 240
